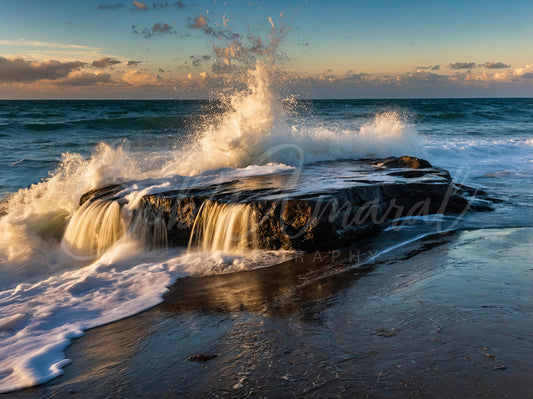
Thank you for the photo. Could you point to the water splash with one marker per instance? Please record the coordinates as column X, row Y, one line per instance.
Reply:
column 94, row 228
column 256, row 122
column 46, row 233
column 147, row 228
column 224, row 227
column 100, row 223
column 254, row 130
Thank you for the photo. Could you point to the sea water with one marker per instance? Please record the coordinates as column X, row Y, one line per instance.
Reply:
column 64, row 269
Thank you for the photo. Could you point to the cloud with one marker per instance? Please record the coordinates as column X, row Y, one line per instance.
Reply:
column 199, row 22
column 421, row 77
column 430, row 68
column 462, row 65
column 257, row 46
column 355, row 77
column 356, row 83
column 159, row 5
column 161, row 29
column 105, row 62
column 178, row 4
column 525, row 69
column 158, row 29
column 486, row 78
column 495, row 65
column 501, row 76
column 109, row 6
column 36, row 43
column 20, row 70
column 133, row 63
column 198, row 60
column 85, row 79
column 140, row 6
column 137, row 78
column 223, row 67
column 238, row 52
column 233, row 50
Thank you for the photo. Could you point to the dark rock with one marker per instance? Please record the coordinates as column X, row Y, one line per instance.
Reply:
column 201, row 358
column 309, row 217
column 405, row 162
column 178, row 213
column 101, row 192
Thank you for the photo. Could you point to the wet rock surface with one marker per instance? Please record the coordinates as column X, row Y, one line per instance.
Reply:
column 325, row 206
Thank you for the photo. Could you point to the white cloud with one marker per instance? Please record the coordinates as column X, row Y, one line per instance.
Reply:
column 36, row 43
column 523, row 70
column 138, row 78
column 199, row 22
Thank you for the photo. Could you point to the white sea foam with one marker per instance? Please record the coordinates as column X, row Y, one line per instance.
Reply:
column 39, row 320
column 253, row 137
column 49, row 297
column 508, row 156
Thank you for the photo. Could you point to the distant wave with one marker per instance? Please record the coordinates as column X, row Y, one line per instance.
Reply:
column 156, row 123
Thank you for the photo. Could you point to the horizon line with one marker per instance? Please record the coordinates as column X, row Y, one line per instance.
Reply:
column 298, row 99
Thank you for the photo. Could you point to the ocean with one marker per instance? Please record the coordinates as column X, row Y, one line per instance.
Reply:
column 52, row 152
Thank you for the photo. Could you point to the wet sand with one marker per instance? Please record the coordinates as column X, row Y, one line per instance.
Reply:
column 451, row 316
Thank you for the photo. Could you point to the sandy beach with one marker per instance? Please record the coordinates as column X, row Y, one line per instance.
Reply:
column 448, row 317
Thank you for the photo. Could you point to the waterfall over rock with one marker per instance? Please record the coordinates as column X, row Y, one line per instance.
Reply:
column 224, row 227
column 93, row 228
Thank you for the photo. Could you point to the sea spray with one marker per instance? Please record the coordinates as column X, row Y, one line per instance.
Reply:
column 256, row 121
column 238, row 137
column 255, row 130
column 34, row 219
column 50, row 296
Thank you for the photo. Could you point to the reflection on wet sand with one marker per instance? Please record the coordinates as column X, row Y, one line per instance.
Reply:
column 428, row 321
column 284, row 288
column 280, row 289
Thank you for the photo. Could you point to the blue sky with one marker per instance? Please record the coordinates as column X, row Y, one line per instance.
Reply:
column 335, row 49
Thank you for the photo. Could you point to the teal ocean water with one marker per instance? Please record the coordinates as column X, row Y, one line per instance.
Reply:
column 54, row 151
column 493, row 135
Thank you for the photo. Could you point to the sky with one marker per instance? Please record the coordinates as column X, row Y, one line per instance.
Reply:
column 190, row 49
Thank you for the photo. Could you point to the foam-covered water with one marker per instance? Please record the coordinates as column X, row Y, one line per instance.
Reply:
column 66, row 268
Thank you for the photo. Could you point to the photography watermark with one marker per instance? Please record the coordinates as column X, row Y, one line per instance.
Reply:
column 351, row 256
column 289, row 208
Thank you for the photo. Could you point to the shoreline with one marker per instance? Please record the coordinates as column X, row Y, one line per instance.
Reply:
column 438, row 316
